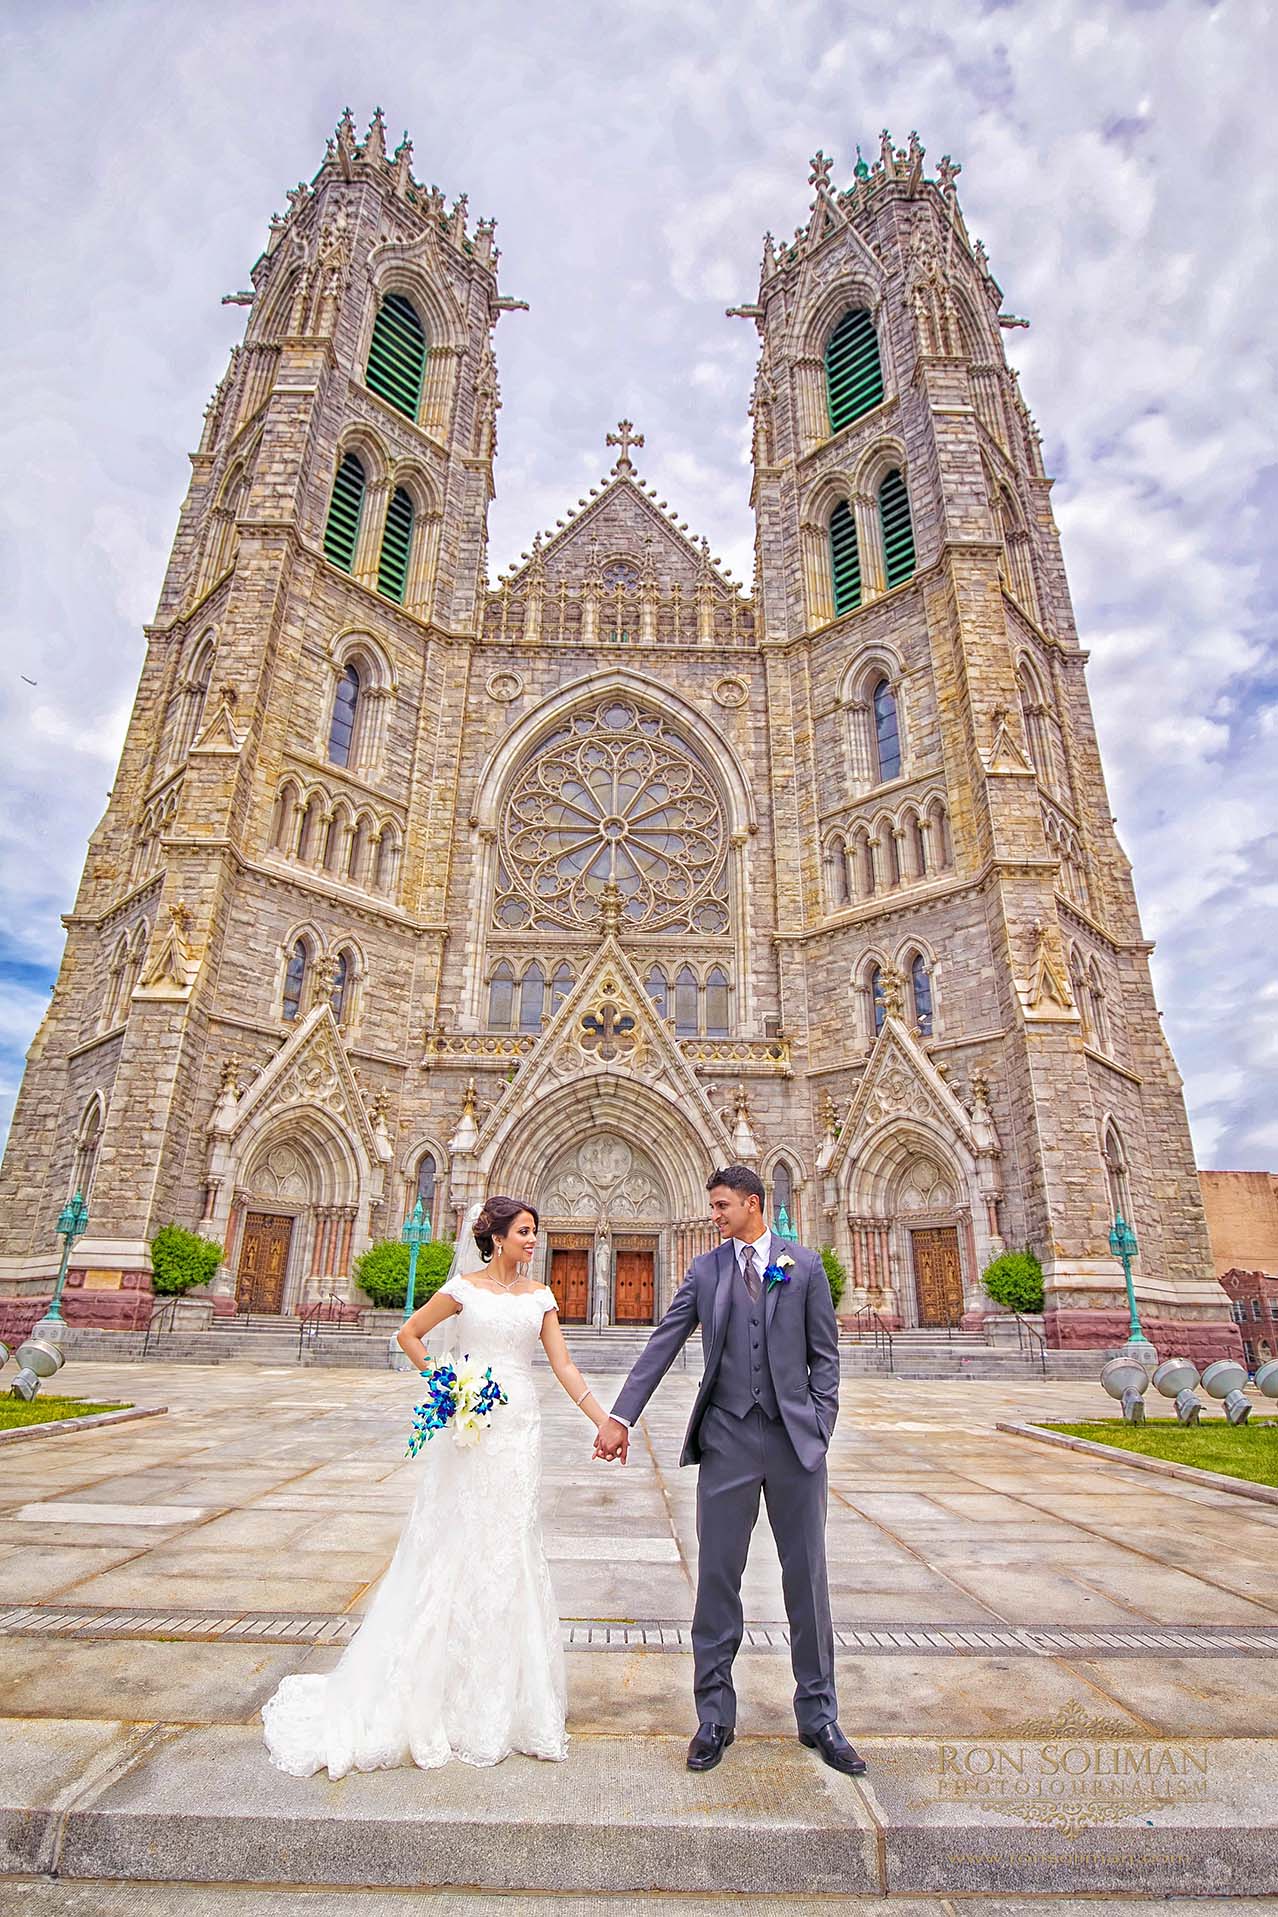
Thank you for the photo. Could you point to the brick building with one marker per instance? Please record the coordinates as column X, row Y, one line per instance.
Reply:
column 1242, row 1219
column 579, row 882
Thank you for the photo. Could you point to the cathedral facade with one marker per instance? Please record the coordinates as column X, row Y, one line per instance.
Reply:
column 578, row 884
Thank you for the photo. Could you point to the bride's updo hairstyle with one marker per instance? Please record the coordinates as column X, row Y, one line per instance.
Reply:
column 496, row 1219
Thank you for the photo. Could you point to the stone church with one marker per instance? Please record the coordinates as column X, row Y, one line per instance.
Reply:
column 579, row 883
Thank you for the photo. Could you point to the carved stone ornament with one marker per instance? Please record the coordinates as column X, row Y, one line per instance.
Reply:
column 732, row 692
column 606, row 1178
column 504, row 686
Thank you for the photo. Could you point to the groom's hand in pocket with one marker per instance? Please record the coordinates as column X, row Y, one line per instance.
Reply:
column 612, row 1441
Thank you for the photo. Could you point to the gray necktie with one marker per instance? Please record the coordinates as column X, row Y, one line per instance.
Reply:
column 750, row 1272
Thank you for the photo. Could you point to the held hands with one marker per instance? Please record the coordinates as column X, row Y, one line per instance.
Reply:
column 612, row 1441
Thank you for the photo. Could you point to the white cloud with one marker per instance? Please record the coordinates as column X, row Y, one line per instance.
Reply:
column 1114, row 163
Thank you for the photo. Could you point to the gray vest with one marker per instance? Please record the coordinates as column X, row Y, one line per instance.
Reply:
column 744, row 1379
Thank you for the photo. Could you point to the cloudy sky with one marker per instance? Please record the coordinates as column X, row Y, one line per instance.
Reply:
column 1119, row 161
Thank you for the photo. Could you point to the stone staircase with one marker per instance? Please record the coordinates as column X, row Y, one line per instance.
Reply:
column 273, row 1341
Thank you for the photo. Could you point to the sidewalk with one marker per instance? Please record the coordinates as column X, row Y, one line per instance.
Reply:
column 993, row 1598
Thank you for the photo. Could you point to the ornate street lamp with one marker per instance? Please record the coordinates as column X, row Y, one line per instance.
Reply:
column 782, row 1226
column 415, row 1234
column 73, row 1222
column 1122, row 1242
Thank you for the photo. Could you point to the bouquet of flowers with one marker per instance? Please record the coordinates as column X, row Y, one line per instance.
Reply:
column 457, row 1394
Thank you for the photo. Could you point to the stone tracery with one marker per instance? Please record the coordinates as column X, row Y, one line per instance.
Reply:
column 613, row 798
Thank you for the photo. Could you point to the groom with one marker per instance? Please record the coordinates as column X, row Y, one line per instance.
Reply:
column 761, row 1421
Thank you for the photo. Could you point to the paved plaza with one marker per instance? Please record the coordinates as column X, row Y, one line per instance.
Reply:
column 157, row 1579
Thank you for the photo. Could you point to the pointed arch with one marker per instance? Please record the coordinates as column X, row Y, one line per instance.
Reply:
column 88, row 1142
column 336, row 836
column 297, row 960
column 717, row 997
column 853, row 368
column 344, row 715
column 397, row 544
column 657, row 986
column 1117, row 1171
column 845, row 559
column 345, row 512
column 687, row 998
column 532, row 997
column 501, row 996
column 396, row 366
column 896, row 529
column 389, row 851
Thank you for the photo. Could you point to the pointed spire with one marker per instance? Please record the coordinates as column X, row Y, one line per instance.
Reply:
column 403, row 166
column 458, row 219
column 861, row 170
column 375, row 141
column 345, row 137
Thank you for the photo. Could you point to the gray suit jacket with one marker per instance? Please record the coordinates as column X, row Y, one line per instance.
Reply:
column 802, row 1346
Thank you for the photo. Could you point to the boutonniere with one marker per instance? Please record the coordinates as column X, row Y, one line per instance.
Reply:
column 778, row 1272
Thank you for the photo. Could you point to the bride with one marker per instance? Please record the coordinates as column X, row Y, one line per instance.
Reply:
column 460, row 1653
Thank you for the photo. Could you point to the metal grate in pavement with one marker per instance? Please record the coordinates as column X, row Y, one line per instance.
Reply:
column 604, row 1634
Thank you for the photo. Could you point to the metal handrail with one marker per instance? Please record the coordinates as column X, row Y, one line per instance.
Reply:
column 866, row 1318
column 153, row 1324
column 330, row 1309
column 1030, row 1341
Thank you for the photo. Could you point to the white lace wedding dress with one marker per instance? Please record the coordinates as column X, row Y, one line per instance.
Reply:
column 460, row 1653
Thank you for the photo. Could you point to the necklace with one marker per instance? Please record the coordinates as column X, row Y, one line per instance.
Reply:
column 508, row 1284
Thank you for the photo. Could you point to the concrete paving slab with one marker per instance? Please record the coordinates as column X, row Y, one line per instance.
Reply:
column 1210, row 1696
column 41, row 1766
column 68, row 1511
column 619, row 1813
column 142, row 1680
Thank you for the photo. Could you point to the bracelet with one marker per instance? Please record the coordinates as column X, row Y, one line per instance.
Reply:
column 582, row 1399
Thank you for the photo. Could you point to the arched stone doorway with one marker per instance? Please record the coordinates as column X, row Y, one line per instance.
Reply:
column 618, row 1175
column 914, row 1255
column 295, row 1207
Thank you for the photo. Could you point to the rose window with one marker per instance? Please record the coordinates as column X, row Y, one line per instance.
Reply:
column 613, row 798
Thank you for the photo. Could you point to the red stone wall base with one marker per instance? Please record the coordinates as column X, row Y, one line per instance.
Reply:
column 1074, row 1328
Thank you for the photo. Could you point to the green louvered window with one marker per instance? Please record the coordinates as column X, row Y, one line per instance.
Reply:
column 397, row 356
column 853, row 374
column 845, row 559
column 344, row 511
column 898, row 533
column 392, row 572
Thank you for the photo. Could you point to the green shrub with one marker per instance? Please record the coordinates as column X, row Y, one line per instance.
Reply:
column 1015, row 1281
column 835, row 1272
column 382, row 1272
column 180, row 1260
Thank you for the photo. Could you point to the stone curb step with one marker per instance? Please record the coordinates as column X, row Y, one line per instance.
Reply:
column 167, row 1802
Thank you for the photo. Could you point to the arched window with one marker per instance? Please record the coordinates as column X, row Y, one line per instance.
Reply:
column 195, row 699
column 88, row 1139
column 853, row 372
column 344, row 509
column 341, row 987
column 878, row 1004
column 397, row 539
column 891, row 852
column 838, row 857
column 532, row 998
column 716, row 1002
column 501, row 998
column 295, row 980
column 397, row 355
column 426, row 1183
column 341, row 731
column 863, row 864
column 658, row 991
column 784, row 1222
column 112, row 1004
column 887, row 733
column 1120, row 1191
column 938, row 823
column 560, row 986
column 285, row 817
column 845, row 559
column 1082, row 996
column 921, row 992
column 357, row 866
column 898, row 532
column 387, row 866
column 334, row 859
column 1096, row 993
column 916, row 850
column 687, row 1010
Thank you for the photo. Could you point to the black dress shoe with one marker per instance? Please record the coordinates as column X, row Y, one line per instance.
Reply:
column 708, row 1746
column 834, row 1749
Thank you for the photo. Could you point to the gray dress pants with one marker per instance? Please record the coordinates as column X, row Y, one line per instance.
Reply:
column 741, row 1457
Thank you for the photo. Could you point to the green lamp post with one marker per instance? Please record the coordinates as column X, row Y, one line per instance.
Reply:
column 1122, row 1242
column 415, row 1234
column 73, row 1222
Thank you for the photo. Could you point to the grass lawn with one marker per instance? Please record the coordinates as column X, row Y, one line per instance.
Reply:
column 1238, row 1450
column 42, row 1410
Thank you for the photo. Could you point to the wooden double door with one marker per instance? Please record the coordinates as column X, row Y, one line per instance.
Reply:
column 263, row 1266
column 634, row 1293
column 938, row 1276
